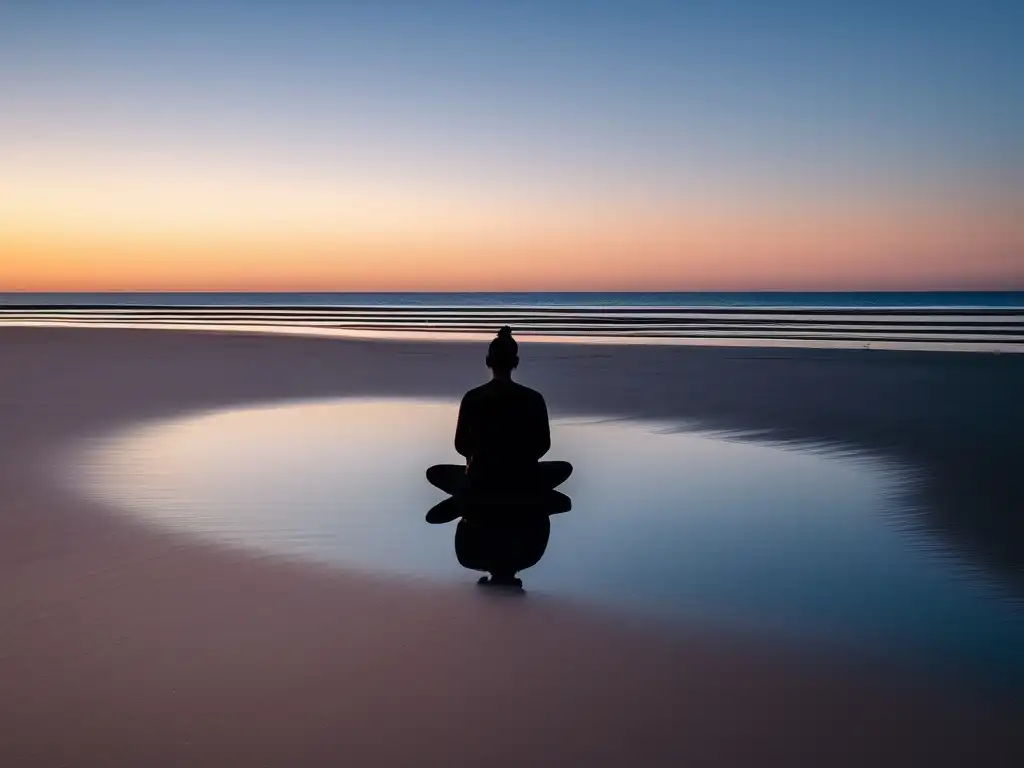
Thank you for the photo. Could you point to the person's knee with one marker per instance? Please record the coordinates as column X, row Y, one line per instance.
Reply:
column 553, row 473
column 442, row 476
column 561, row 470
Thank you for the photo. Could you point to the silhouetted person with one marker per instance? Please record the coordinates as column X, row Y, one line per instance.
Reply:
column 503, row 432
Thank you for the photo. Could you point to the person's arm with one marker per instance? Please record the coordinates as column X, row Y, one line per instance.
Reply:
column 542, row 436
column 464, row 431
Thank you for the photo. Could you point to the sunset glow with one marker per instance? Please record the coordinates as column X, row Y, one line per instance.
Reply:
column 151, row 152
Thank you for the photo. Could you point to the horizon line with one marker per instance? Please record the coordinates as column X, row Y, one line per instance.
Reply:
column 485, row 292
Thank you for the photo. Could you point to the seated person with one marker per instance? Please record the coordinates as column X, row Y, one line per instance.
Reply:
column 503, row 432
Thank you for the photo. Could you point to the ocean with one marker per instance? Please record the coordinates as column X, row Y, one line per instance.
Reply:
column 969, row 321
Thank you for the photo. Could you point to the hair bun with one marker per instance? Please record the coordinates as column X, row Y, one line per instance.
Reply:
column 503, row 352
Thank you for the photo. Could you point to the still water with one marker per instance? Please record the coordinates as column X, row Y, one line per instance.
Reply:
column 797, row 543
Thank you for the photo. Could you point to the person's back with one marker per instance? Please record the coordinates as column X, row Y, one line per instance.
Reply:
column 502, row 431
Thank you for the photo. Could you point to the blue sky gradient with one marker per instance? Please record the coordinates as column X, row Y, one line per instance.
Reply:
column 728, row 102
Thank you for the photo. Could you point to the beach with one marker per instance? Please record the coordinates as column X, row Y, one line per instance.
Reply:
column 124, row 645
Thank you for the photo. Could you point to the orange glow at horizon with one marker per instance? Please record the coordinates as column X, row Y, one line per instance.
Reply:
column 756, row 255
column 187, row 233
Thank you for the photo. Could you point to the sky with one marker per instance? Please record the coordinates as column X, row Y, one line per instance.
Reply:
column 511, row 146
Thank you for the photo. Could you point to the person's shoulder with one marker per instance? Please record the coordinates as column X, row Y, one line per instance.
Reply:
column 528, row 393
column 474, row 394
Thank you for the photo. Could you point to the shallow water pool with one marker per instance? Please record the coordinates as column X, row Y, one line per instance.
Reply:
column 794, row 542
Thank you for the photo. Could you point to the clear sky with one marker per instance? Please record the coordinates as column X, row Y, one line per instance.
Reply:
column 511, row 145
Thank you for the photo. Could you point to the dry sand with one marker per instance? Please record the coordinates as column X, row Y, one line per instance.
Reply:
column 120, row 645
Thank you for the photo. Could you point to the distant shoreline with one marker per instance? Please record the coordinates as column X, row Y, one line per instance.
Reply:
column 968, row 322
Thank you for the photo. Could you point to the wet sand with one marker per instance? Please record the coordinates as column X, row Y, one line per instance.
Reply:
column 120, row 645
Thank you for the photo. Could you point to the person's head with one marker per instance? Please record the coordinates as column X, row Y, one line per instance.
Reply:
column 503, row 353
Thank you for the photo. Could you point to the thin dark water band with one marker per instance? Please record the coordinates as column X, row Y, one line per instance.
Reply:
column 509, row 299
column 609, row 309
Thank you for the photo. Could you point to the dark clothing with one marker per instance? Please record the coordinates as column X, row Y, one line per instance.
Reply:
column 452, row 478
column 502, row 431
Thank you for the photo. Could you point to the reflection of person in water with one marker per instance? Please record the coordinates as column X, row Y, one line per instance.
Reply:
column 503, row 432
